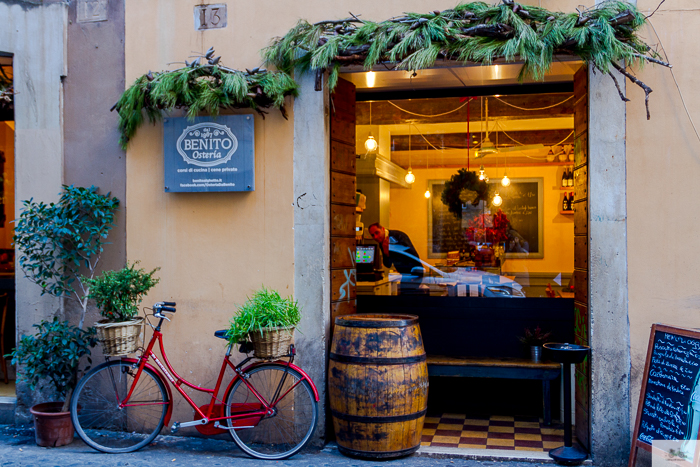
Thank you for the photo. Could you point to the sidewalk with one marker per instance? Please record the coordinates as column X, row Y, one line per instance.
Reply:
column 17, row 448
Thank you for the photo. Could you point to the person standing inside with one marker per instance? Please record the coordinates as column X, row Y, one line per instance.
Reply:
column 397, row 249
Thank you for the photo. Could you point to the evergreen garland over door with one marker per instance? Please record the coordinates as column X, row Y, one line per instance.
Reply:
column 342, row 222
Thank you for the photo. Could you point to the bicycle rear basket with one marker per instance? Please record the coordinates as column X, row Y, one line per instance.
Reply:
column 271, row 342
column 119, row 338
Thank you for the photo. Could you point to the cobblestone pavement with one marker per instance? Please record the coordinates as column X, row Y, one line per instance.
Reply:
column 17, row 448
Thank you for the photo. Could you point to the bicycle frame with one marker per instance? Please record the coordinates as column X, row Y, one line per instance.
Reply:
column 206, row 416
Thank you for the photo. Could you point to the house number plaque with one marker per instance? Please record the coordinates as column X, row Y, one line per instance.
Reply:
column 210, row 16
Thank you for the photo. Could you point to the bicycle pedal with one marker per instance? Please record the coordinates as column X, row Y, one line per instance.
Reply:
column 175, row 427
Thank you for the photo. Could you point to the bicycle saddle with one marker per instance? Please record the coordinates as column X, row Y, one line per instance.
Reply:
column 221, row 334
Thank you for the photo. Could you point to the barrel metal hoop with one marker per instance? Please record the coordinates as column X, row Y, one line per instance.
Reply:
column 378, row 360
column 371, row 419
column 377, row 454
column 402, row 321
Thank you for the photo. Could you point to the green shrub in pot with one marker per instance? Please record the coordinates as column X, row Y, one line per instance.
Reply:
column 265, row 309
column 119, row 293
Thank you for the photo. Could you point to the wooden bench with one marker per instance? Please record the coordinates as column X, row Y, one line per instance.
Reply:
column 505, row 368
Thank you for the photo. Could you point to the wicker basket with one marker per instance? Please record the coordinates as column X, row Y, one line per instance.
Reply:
column 119, row 338
column 271, row 342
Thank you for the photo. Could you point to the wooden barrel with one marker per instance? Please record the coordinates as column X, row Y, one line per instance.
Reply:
column 378, row 385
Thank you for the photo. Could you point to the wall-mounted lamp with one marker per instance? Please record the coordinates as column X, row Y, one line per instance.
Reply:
column 427, row 194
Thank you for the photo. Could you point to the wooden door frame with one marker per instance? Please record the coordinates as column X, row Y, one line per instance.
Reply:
column 608, row 312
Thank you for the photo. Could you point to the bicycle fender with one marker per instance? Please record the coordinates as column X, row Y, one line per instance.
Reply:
column 283, row 363
column 169, row 413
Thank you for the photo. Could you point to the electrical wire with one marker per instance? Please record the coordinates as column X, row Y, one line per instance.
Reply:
column 675, row 81
column 428, row 116
column 536, row 108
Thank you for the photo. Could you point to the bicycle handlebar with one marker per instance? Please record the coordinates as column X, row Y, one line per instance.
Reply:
column 168, row 308
column 169, row 303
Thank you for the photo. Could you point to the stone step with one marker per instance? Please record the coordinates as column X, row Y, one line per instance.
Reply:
column 7, row 410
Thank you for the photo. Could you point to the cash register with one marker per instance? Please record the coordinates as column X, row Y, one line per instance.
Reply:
column 368, row 263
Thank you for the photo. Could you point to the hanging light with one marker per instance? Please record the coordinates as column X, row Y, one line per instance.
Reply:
column 505, row 181
column 410, row 178
column 371, row 143
column 427, row 194
column 497, row 200
column 482, row 174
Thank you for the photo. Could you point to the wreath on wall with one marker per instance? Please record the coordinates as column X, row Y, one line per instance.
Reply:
column 463, row 180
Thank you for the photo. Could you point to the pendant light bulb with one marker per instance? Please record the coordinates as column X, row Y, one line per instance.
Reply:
column 497, row 200
column 482, row 175
column 371, row 143
column 410, row 178
column 427, row 194
column 505, row 181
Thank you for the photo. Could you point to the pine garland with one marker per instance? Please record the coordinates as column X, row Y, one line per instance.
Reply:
column 201, row 86
column 602, row 36
column 7, row 92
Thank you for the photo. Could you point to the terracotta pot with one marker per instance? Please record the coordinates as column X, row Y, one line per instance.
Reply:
column 51, row 426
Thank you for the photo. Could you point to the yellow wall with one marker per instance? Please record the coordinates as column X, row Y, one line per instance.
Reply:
column 663, row 162
column 409, row 213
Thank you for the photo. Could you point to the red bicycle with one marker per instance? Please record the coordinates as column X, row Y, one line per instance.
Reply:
column 270, row 408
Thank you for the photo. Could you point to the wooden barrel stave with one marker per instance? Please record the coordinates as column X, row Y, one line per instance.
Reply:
column 378, row 385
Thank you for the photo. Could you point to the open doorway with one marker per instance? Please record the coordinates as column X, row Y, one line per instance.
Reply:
column 7, row 257
column 481, row 269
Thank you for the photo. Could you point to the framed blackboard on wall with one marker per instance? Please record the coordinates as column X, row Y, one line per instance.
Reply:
column 669, row 403
column 522, row 204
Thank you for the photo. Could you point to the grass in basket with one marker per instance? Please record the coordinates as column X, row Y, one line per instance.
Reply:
column 263, row 310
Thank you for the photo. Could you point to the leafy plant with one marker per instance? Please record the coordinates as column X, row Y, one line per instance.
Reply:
column 118, row 293
column 60, row 244
column 203, row 85
column 476, row 32
column 53, row 354
column 265, row 309
column 535, row 337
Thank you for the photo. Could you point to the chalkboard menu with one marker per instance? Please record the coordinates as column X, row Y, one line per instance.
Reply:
column 522, row 204
column 671, row 382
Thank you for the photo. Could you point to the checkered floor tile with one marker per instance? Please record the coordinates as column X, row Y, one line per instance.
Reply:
column 495, row 432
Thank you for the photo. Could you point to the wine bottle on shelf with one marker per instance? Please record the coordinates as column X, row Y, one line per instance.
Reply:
column 565, row 203
column 564, row 177
column 571, row 201
column 570, row 178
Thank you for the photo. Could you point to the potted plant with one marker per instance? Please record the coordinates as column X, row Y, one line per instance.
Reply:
column 53, row 354
column 535, row 339
column 268, row 321
column 60, row 245
column 118, row 295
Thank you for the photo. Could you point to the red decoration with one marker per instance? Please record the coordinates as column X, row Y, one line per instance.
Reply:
column 488, row 228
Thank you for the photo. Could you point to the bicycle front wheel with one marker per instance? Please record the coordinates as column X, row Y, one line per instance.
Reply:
column 102, row 423
column 292, row 422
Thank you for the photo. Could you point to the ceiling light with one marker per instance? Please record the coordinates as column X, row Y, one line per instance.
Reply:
column 427, row 194
column 371, row 77
column 371, row 143
column 497, row 200
column 505, row 181
column 410, row 178
column 482, row 174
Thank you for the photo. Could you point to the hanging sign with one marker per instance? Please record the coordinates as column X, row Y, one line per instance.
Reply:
column 209, row 155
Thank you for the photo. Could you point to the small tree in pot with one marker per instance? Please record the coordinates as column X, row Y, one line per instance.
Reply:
column 118, row 295
column 60, row 245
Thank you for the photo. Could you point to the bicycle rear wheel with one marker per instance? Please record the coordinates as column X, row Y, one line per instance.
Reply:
column 289, row 428
column 102, row 424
